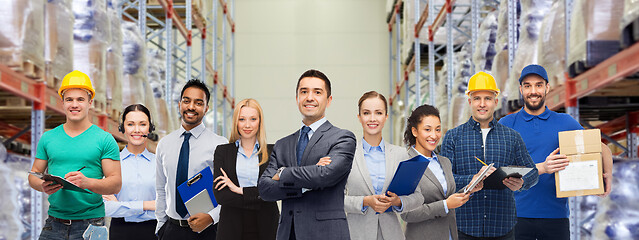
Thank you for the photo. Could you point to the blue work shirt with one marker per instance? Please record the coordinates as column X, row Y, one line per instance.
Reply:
column 247, row 168
column 540, row 133
column 138, row 185
column 489, row 213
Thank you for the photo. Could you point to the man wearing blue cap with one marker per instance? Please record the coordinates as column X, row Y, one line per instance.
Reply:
column 540, row 214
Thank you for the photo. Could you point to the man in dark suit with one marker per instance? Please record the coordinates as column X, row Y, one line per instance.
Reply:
column 312, row 191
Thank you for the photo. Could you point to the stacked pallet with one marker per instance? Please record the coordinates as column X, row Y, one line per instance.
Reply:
column 22, row 36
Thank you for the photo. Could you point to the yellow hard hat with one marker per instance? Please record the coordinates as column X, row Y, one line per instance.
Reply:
column 482, row 81
column 76, row 79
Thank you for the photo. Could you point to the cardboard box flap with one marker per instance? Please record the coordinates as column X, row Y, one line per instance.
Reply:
column 580, row 141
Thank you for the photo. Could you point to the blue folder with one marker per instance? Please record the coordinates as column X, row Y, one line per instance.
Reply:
column 200, row 182
column 407, row 176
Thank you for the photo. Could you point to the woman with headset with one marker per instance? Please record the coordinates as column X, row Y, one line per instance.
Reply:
column 132, row 210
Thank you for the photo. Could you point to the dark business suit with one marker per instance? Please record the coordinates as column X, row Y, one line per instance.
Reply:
column 242, row 213
column 319, row 213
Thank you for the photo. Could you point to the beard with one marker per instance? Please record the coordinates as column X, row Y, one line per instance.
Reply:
column 535, row 107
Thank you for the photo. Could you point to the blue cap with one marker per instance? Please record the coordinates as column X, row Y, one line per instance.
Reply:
column 533, row 69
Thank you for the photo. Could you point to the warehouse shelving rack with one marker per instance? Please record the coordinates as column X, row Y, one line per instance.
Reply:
column 42, row 103
column 217, row 55
column 458, row 20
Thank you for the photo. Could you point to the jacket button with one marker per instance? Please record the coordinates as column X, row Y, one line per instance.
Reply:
column 290, row 213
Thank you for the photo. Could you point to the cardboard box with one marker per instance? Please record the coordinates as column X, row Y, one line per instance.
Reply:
column 580, row 142
column 584, row 174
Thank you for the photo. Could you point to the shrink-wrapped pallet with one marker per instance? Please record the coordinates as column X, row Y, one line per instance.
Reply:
column 441, row 100
column 134, row 66
column 459, row 109
column 22, row 35
column 552, row 44
column 617, row 215
column 90, row 38
column 630, row 23
column 58, row 48
column 485, row 45
column 532, row 14
column 114, row 63
column 156, row 76
column 594, row 33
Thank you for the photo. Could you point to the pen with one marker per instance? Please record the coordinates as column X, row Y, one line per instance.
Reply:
column 482, row 162
column 86, row 166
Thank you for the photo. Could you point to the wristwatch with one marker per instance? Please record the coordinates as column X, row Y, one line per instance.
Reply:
column 279, row 171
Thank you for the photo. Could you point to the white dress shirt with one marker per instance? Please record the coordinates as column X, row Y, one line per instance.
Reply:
column 202, row 146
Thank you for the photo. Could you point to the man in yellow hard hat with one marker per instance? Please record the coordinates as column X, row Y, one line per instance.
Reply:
column 84, row 155
column 490, row 213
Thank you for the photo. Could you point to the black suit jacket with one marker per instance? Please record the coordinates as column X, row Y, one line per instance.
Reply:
column 234, row 206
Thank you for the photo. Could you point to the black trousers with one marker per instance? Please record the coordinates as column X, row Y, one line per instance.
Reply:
column 542, row 228
column 122, row 230
column 509, row 236
column 172, row 231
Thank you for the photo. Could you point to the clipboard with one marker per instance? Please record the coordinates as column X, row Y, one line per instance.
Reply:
column 479, row 179
column 407, row 176
column 494, row 181
column 197, row 191
column 59, row 180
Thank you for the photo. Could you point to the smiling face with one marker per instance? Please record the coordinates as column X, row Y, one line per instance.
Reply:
column 427, row 134
column 533, row 88
column 76, row 103
column 372, row 116
column 312, row 99
column 193, row 106
column 136, row 124
column 248, row 123
column 482, row 105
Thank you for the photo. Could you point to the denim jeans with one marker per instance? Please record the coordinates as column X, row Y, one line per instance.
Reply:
column 54, row 230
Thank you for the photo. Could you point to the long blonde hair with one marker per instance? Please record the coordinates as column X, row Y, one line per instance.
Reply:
column 261, row 133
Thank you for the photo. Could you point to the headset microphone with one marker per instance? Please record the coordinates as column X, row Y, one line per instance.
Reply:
column 145, row 136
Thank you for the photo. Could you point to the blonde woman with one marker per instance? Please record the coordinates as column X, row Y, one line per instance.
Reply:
column 237, row 166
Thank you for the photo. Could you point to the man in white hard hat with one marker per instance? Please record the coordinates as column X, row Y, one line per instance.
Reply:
column 84, row 155
column 490, row 213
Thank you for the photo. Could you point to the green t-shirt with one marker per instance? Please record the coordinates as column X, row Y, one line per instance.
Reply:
column 65, row 154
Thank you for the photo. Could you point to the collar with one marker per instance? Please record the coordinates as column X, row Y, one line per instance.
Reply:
column 195, row 132
column 368, row 147
column 124, row 154
column 429, row 158
column 527, row 116
column 475, row 125
column 314, row 126
column 238, row 143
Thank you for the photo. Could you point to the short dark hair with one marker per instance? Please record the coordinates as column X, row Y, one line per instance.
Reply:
column 316, row 74
column 372, row 94
column 197, row 84
column 415, row 118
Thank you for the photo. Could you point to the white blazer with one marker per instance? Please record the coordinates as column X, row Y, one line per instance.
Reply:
column 367, row 225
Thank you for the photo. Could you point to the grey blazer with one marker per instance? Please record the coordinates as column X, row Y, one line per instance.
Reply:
column 430, row 220
column 369, row 225
column 319, row 213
